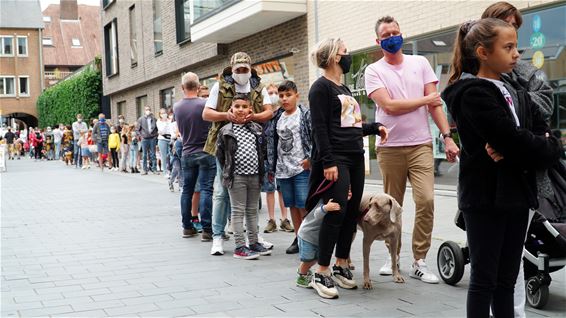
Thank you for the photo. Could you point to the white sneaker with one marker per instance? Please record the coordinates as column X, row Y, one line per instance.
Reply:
column 419, row 270
column 386, row 270
column 217, row 248
column 265, row 243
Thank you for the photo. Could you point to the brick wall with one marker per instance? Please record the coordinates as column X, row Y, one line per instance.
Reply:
column 272, row 43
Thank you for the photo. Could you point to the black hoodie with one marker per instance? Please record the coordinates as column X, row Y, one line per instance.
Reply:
column 483, row 116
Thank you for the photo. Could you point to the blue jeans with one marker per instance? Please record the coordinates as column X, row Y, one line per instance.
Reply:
column 77, row 154
column 164, row 151
column 201, row 166
column 220, row 205
column 148, row 150
column 57, row 150
column 133, row 155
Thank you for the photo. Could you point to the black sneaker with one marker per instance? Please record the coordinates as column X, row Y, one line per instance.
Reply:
column 256, row 247
column 294, row 248
column 343, row 277
column 324, row 286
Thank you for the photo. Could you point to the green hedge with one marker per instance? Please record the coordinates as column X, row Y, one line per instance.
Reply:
column 62, row 102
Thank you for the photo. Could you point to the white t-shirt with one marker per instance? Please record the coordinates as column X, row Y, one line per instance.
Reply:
column 164, row 128
column 507, row 97
column 289, row 148
column 57, row 135
column 212, row 100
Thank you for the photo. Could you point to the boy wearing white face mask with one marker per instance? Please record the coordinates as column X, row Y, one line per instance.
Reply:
column 238, row 78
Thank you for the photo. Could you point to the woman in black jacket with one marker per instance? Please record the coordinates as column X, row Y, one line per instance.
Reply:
column 338, row 158
column 494, row 195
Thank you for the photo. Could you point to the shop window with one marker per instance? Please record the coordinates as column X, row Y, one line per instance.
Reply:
column 111, row 47
column 183, row 20
column 133, row 37
column 22, row 45
column 157, row 31
column 7, row 86
column 23, row 85
column 141, row 102
column 166, row 97
column 7, row 43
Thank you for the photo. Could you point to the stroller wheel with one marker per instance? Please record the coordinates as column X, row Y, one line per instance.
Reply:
column 537, row 292
column 451, row 263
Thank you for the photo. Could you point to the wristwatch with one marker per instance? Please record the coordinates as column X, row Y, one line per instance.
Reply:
column 446, row 135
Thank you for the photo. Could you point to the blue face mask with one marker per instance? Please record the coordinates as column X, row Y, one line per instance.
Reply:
column 102, row 120
column 392, row 44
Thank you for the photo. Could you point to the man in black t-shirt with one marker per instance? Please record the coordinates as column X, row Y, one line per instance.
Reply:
column 10, row 136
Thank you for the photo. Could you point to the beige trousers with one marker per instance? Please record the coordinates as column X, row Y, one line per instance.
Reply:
column 415, row 163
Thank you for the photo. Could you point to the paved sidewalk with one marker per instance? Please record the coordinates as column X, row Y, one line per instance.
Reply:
column 91, row 244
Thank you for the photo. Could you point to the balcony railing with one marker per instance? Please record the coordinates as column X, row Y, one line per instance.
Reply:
column 56, row 75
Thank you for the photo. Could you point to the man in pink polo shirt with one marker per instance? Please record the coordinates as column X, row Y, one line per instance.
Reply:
column 403, row 88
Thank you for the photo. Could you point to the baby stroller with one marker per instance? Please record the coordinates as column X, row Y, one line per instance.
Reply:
column 545, row 246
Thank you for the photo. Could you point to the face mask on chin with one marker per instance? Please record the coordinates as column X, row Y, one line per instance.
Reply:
column 242, row 79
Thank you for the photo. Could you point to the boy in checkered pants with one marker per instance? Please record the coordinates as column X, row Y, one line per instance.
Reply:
column 241, row 152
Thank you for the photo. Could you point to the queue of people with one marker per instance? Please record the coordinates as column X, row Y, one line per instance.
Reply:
column 227, row 145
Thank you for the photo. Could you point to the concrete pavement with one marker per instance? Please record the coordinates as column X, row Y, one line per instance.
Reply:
column 91, row 244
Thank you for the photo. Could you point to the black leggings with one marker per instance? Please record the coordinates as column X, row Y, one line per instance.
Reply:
column 115, row 160
column 495, row 241
column 337, row 228
column 38, row 149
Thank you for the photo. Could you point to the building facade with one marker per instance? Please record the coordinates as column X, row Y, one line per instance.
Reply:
column 71, row 38
column 21, row 66
column 429, row 29
column 148, row 45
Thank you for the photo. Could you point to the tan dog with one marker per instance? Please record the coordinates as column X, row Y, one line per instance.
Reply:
column 381, row 221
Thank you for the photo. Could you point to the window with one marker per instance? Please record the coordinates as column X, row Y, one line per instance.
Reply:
column 183, row 20
column 76, row 42
column 47, row 19
column 166, row 97
column 7, row 43
column 120, row 108
column 157, row 34
column 204, row 7
column 22, row 45
column 7, row 86
column 141, row 102
column 133, row 37
column 23, row 85
column 106, row 3
column 47, row 41
column 111, row 47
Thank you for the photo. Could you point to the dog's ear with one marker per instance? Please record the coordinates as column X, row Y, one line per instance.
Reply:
column 395, row 212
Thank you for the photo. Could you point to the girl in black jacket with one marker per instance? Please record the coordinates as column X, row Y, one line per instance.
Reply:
column 494, row 194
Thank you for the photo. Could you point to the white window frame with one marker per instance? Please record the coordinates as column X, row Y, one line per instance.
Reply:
column 113, row 45
column 73, row 42
column 47, row 38
column 46, row 18
column 3, row 78
column 18, row 45
column 27, row 86
column 2, row 37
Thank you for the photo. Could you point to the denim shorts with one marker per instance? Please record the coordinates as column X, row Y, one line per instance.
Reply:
column 85, row 152
column 295, row 189
column 102, row 147
column 308, row 252
column 269, row 186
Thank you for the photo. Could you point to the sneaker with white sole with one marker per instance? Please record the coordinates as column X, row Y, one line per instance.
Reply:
column 217, row 248
column 256, row 247
column 324, row 285
column 266, row 244
column 386, row 270
column 304, row 280
column 419, row 270
column 243, row 252
column 343, row 277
